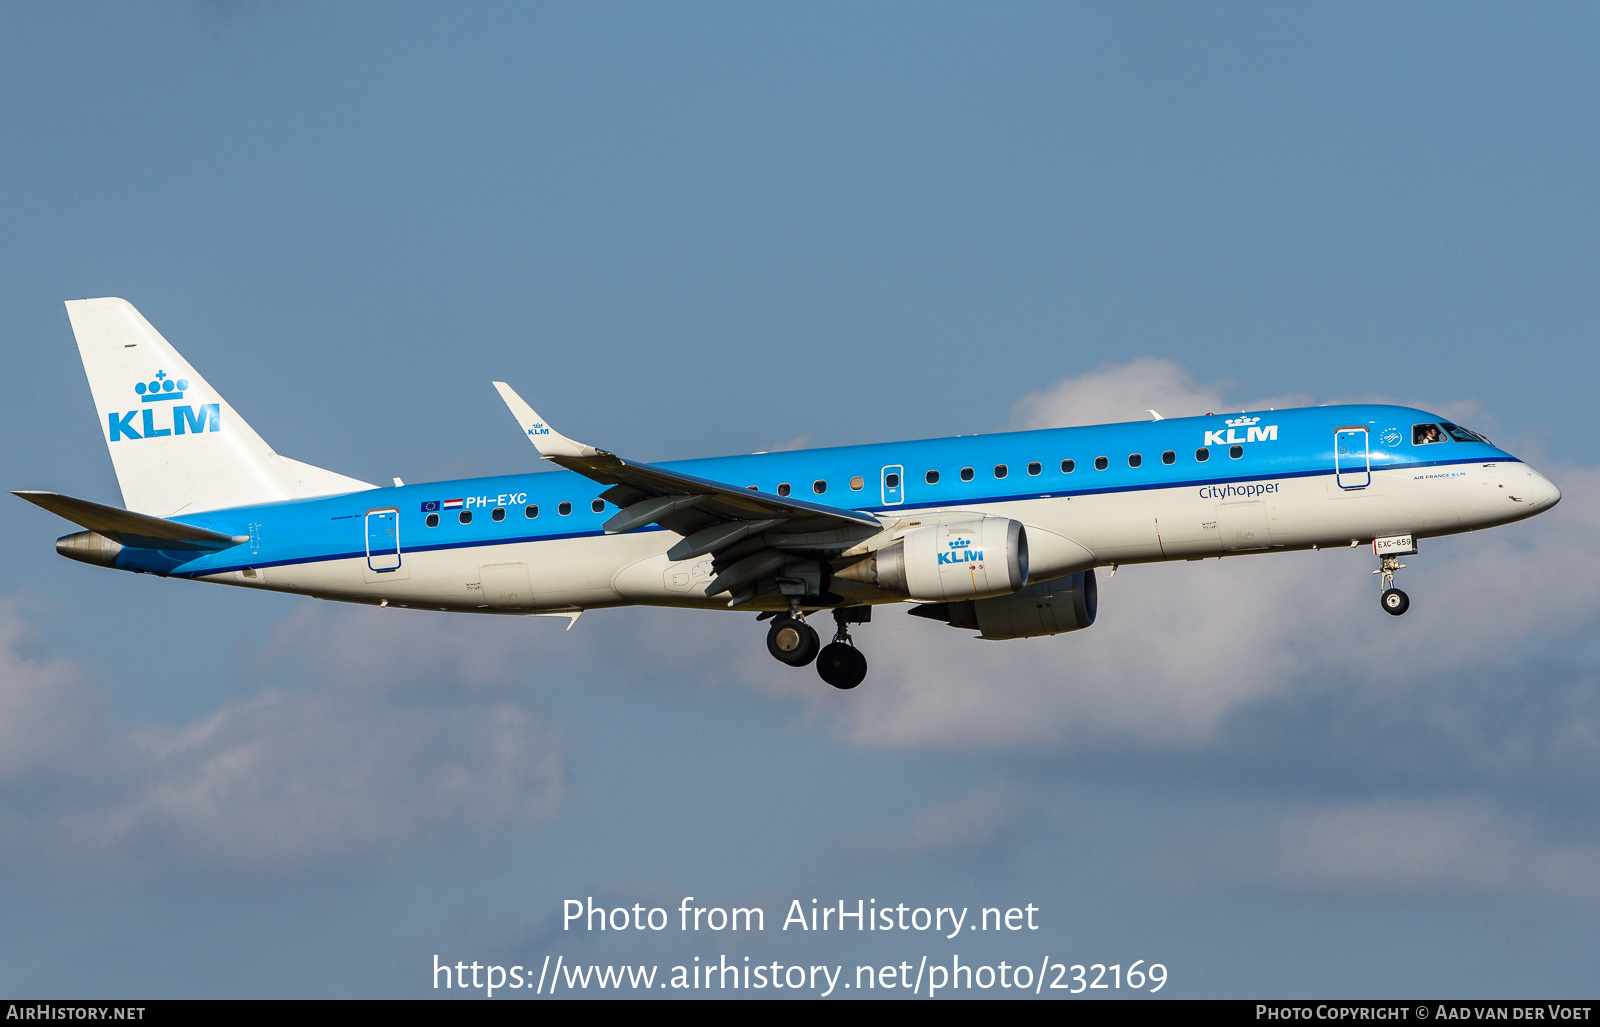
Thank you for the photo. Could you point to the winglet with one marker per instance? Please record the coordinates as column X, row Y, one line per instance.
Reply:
column 548, row 441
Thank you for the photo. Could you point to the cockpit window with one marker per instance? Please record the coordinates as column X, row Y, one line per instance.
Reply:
column 1426, row 434
column 1461, row 434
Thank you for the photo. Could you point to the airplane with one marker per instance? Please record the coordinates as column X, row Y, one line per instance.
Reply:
column 997, row 534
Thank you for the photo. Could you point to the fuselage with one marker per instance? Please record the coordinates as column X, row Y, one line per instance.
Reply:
column 1176, row 489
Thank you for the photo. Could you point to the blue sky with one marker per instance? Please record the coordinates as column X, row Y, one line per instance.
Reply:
column 694, row 230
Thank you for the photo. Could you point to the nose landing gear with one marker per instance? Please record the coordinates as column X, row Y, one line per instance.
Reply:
column 1392, row 600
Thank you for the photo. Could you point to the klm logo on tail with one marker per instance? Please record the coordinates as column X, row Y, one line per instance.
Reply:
column 185, row 419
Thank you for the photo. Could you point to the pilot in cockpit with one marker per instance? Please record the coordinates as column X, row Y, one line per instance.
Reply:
column 1426, row 434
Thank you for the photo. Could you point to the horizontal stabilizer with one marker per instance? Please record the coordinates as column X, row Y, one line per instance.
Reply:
column 131, row 528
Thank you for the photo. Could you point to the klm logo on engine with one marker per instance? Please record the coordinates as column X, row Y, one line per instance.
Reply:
column 959, row 550
column 1252, row 433
column 174, row 419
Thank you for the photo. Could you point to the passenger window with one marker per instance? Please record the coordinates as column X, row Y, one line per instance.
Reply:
column 1169, row 457
column 856, row 484
column 891, row 481
column 433, row 520
column 1202, row 455
column 966, row 474
column 564, row 509
column 819, row 486
column 499, row 513
column 1101, row 463
column 1067, row 466
column 466, row 517
column 1035, row 468
column 1426, row 434
column 600, row 504
column 783, row 488
column 1000, row 470
column 530, row 512
column 933, row 477
column 1134, row 459
column 1236, row 452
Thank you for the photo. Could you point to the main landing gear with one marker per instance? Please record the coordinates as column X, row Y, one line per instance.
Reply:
column 1392, row 600
column 791, row 640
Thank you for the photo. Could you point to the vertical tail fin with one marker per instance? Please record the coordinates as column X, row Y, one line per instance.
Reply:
column 177, row 446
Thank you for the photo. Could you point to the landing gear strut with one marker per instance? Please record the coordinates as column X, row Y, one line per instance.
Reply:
column 840, row 663
column 1392, row 600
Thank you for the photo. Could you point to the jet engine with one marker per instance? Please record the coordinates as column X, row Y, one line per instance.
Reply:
column 979, row 556
column 1048, row 608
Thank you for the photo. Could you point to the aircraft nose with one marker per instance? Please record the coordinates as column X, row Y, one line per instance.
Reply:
column 1542, row 492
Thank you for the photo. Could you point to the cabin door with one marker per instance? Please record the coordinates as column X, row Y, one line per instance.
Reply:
column 383, row 540
column 1351, row 464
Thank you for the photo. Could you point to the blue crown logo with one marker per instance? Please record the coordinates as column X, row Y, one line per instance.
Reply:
column 960, row 543
column 161, row 388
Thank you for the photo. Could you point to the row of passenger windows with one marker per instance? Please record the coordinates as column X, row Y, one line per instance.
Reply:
column 1068, row 466
column 1101, row 463
column 530, row 512
column 892, row 481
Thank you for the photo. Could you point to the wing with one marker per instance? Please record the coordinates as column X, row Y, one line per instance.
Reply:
column 757, row 539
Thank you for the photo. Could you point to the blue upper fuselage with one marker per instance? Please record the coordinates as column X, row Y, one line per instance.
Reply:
column 963, row 471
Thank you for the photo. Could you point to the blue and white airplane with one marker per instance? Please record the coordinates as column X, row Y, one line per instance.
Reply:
column 998, row 534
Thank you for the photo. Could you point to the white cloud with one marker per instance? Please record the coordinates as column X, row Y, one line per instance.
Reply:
column 1407, row 847
column 970, row 824
column 288, row 781
column 45, row 707
column 1128, row 392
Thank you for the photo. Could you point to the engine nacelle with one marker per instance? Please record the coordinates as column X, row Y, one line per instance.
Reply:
column 966, row 559
column 1048, row 608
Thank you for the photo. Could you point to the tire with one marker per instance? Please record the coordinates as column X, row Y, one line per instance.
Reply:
column 1394, row 601
column 792, row 641
column 842, row 666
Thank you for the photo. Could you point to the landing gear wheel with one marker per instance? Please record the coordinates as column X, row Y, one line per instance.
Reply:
column 792, row 641
column 1394, row 601
column 841, row 665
